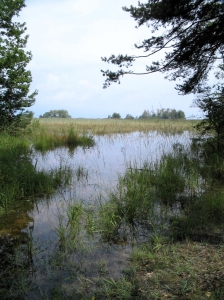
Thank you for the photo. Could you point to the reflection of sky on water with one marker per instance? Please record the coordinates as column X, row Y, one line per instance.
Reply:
column 111, row 156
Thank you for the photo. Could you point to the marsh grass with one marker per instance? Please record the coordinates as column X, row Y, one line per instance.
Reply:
column 110, row 126
column 151, row 195
column 185, row 189
column 69, row 226
column 180, row 192
column 45, row 137
column 19, row 177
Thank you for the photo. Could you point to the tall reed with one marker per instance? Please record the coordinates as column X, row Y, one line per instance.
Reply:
column 44, row 137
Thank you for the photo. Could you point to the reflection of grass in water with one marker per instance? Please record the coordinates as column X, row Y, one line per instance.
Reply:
column 81, row 173
column 166, row 194
column 16, row 265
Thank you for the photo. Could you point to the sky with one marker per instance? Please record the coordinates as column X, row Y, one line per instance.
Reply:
column 67, row 39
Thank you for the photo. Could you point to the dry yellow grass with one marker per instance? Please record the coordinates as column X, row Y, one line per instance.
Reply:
column 112, row 126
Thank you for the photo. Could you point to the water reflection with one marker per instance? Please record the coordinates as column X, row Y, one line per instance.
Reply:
column 110, row 156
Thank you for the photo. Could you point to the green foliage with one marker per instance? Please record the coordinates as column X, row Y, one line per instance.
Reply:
column 164, row 274
column 212, row 104
column 61, row 113
column 110, row 220
column 15, row 80
column 191, row 43
column 169, row 181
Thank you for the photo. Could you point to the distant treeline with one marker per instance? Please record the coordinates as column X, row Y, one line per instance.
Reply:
column 163, row 113
column 60, row 113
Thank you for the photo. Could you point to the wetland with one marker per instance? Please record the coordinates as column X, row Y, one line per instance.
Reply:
column 97, row 210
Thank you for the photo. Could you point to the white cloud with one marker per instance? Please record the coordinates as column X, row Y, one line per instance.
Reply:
column 84, row 7
column 63, row 95
column 88, row 85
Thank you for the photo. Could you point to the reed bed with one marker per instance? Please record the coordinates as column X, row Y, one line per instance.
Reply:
column 113, row 126
column 44, row 137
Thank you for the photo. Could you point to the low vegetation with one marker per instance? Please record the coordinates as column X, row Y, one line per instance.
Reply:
column 163, row 270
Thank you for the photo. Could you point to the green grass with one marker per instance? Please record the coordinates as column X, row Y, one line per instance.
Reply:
column 19, row 177
column 186, row 270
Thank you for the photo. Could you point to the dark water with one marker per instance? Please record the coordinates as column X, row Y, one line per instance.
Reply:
column 95, row 173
